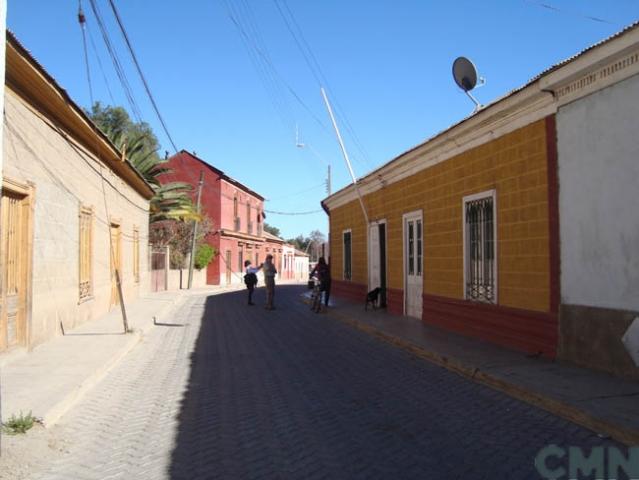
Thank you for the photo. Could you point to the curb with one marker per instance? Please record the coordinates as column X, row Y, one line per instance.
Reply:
column 574, row 414
column 63, row 406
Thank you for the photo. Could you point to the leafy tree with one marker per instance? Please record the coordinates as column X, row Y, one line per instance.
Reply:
column 311, row 244
column 272, row 230
column 178, row 236
column 203, row 256
column 171, row 200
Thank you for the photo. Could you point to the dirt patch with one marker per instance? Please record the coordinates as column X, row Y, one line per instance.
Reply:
column 22, row 456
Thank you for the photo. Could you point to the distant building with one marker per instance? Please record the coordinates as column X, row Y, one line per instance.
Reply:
column 237, row 213
column 517, row 225
column 73, row 211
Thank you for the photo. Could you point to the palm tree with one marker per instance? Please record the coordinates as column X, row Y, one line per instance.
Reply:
column 171, row 200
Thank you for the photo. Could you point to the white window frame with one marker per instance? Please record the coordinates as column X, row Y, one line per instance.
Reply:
column 344, row 232
column 469, row 198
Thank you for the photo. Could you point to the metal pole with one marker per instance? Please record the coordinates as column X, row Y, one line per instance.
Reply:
column 348, row 162
column 195, row 222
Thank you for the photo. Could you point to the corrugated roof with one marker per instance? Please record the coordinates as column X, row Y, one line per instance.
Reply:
column 11, row 38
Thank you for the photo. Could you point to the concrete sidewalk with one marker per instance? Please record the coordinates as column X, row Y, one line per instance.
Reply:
column 49, row 380
column 597, row 401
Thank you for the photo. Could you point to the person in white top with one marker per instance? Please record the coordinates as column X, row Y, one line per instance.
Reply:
column 250, row 279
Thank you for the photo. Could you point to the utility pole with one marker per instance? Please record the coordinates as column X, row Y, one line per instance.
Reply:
column 348, row 162
column 195, row 222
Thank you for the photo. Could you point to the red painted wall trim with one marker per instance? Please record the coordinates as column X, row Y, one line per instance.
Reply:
column 395, row 301
column 553, row 213
column 355, row 292
column 524, row 330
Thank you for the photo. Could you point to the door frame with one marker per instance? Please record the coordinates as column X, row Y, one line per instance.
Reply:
column 27, row 191
column 412, row 215
column 376, row 224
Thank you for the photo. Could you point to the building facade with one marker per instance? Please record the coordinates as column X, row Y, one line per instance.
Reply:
column 463, row 231
column 236, row 212
column 73, row 211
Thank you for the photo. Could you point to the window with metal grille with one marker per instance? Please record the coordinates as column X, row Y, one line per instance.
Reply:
column 136, row 255
column 85, row 253
column 480, row 243
column 347, row 256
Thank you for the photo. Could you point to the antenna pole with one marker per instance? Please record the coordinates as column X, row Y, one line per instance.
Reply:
column 348, row 162
column 477, row 104
column 195, row 222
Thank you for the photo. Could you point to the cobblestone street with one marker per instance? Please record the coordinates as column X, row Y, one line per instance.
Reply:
column 230, row 391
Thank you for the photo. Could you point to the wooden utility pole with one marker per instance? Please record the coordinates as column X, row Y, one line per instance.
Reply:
column 195, row 222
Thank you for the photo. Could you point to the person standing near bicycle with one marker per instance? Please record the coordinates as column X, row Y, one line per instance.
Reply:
column 323, row 273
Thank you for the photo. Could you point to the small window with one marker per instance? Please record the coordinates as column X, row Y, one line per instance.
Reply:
column 347, row 256
column 479, row 248
column 136, row 255
column 85, row 253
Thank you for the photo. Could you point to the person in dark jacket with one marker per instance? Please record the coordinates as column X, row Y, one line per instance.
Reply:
column 323, row 273
column 250, row 279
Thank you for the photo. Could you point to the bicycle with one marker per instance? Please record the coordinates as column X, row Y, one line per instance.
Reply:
column 316, row 296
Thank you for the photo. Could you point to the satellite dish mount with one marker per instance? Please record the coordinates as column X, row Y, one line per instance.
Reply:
column 465, row 75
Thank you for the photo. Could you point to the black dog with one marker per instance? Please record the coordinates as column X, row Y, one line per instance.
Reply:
column 372, row 297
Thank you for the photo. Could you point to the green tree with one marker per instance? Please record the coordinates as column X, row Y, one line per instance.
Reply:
column 272, row 230
column 140, row 145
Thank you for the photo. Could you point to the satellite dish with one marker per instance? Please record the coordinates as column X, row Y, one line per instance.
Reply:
column 465, row 75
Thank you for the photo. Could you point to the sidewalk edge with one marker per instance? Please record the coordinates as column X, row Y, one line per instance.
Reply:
column 63, row 406
column 569, row 412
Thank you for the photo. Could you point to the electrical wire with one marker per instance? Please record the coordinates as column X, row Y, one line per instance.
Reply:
column 312, row 212
column 116, row 62
column 139, row 69
column 316, row 70
column 552, row 8
column 271, row 67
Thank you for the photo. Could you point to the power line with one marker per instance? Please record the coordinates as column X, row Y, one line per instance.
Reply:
column 316, row 70
column 97, row 57
column 294, row 213
column 137, row 66
column 116, row 62
column 268, row 63
column 552, row 8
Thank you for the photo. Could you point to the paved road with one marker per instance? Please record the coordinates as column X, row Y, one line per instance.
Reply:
column 238, row 392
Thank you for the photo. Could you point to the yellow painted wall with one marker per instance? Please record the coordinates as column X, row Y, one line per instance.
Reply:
column 515, row 165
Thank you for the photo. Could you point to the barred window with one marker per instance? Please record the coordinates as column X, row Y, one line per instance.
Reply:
column 136, row 255
column 85, row 253
column 347, row 256
column 480, row 243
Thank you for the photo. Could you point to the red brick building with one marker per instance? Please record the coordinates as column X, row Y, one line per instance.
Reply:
column 237, row 213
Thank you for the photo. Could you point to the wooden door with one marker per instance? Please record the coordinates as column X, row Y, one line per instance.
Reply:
column 228, row 267
column 13, row 249
column 116, row 261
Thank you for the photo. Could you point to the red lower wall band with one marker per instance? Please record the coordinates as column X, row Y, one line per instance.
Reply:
column 524, row 330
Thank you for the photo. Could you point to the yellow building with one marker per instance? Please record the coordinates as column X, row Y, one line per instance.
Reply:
column 463, row 230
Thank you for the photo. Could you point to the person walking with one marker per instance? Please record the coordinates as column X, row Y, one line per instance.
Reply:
column 269, row 280
column 250, row 279
column 323, row 272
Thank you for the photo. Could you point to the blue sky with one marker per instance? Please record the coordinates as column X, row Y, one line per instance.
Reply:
column 233, row 86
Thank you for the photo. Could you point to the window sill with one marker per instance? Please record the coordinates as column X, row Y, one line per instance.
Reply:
column 86, row 299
